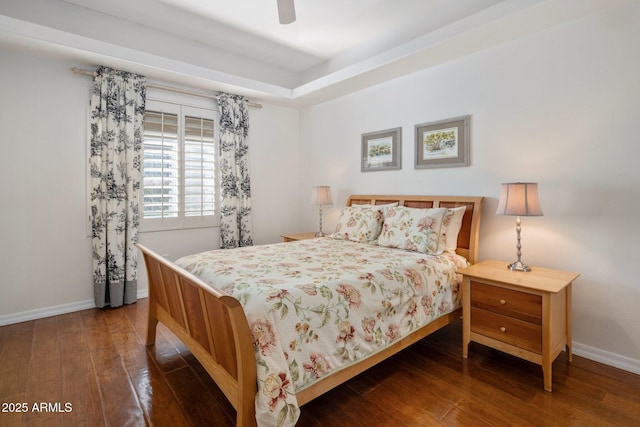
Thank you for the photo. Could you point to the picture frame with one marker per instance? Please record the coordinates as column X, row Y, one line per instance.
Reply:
column 382, row 150
column 442, row 144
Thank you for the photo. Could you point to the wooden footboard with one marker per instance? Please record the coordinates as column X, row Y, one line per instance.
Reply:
column 211, row 324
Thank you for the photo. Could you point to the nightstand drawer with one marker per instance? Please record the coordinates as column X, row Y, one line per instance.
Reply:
column 519, row 305
column 525, row 335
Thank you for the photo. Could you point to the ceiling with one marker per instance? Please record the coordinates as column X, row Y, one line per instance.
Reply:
column 324, row 29
column 333, row 48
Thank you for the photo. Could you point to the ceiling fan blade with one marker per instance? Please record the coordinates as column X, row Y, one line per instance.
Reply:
column 286, row 11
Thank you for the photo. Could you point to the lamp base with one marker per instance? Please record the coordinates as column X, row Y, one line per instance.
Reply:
column 518, row 266
column 320, row 234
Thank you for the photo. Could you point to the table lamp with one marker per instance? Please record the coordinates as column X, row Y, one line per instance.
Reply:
column 519, row 199
column 321, row 196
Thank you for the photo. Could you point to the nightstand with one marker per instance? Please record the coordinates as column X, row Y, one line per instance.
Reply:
column 525, row 314
column 299, row 236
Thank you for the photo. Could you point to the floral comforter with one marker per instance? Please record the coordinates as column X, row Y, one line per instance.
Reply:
column 320, row 305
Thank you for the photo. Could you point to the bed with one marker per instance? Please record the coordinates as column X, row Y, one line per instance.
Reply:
column 279, row 325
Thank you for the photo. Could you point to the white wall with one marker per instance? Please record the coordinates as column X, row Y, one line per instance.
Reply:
column 560, row 108
column 45, row 254
column 45, row 257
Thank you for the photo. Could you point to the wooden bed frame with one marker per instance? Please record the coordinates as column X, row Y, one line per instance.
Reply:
column 212, row 324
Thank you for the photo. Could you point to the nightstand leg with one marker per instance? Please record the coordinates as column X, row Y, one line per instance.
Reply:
column 466, row 316
column 465, row 347
column 546, row 373
column 569, row 326
column 547, row 347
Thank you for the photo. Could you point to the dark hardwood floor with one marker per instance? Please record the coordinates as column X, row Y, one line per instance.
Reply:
column 91, row 368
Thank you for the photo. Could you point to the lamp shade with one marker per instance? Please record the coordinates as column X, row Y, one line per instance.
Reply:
column 519, row 198
column 321, row 195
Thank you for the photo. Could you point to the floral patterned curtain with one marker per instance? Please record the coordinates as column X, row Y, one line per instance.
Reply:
column 117, row 114
column 235, row 186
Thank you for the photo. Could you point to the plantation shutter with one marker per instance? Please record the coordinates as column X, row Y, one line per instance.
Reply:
column 199, row 167
column 161, row 166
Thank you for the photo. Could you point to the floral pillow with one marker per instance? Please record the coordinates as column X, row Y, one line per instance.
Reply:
column 413, row 229
column 451, row 225
column 359, row 224
column 386, row 205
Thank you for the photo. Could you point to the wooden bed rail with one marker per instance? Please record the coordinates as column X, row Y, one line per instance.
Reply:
column 211, row 323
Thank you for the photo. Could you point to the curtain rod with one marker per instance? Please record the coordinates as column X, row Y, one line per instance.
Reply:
column 83, row 72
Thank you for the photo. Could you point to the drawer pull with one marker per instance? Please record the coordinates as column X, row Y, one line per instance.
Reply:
column 503, row 302
column 503, row 329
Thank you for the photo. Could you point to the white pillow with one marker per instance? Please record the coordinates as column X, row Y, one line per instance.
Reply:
column 359, row 224
column 451, row 225
column 413, row 229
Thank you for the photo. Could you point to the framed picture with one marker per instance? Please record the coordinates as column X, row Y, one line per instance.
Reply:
column 382, row 150
column 443, row 144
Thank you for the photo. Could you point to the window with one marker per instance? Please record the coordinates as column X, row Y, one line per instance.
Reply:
column 179, row 187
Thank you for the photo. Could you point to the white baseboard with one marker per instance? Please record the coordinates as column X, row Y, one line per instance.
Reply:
column 41, row 313
column 611, row 359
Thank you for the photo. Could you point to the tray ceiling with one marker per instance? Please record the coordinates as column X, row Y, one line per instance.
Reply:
column 334, row 47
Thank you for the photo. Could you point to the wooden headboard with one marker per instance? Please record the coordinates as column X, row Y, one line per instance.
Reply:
column 468, row 237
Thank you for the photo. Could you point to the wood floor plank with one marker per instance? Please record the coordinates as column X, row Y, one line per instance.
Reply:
column 14, row 415
column 628, row 405
column 608, row 379
column 153, row 392
column 127, row 342
column 44, row 388
column 211, row 386
column 119, row 401
column 458, row 417
column 571, row 405
column 157, row 398
column 97, row 360
column 470, row 394
column 531, row 404
column 411, row 397
column 202, row 408
column 16, row 342
column 453, row 376
column 346, row 408
column 79, row 383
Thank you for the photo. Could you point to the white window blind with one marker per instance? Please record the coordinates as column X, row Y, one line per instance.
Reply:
column 179, row 170
column 161, row 165
column 199, row 167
